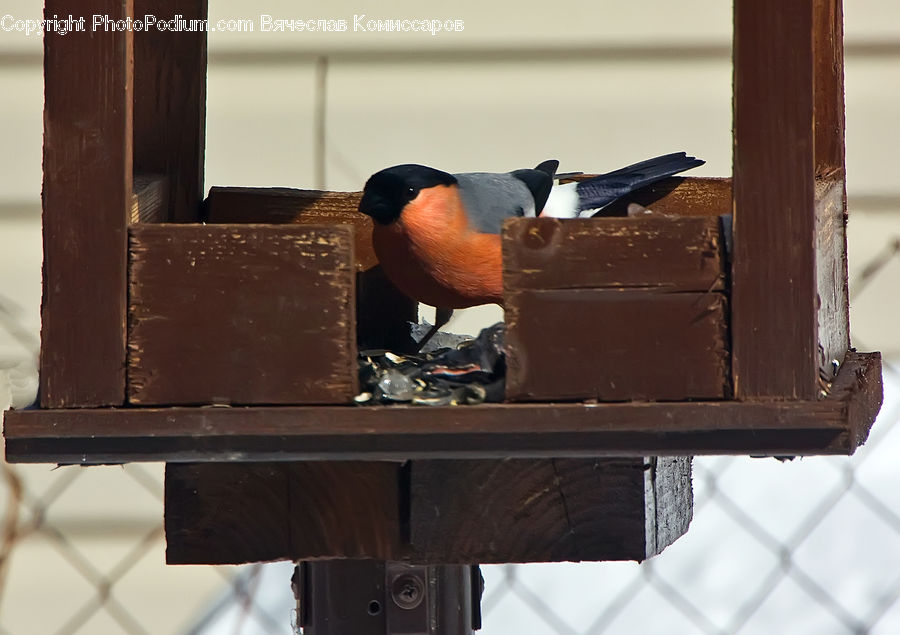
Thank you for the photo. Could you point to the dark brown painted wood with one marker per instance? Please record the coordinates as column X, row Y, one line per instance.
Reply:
column 382, row 310
column 244, row 512
column 668, row 254
column 543, row 510
column 679, row 196
column 788, row 249
column 859, row 385
column 613, row 345
column 828, row 79
column 833, row 322
column 170, row 103
column 288, row 205
column 432, row 511
column 837, row 424
column 86, row 206
column 241, row 314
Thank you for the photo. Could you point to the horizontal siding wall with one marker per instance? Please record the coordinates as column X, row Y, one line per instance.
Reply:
column 597, row 85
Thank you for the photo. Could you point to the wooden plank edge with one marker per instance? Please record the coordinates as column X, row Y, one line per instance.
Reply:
column 832, row 311
column 836, row 424
column 153, row 249
column 859, row 388
column 86, row 200
column 687, row 196
column 232, row 204
column 549, row 253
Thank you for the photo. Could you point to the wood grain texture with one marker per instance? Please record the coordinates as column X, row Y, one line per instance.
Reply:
column 680, row 196
column 241, row 314
column 774, row 299
column 149, row 198
column 248, row 512
column 859, row 389
column 837, row 424
column 382, row 310
column 541, row 510
column 170, row 104
column 86, row 204
column 670, row 500
column 669, row 254
column 828, row 80
column 833, row 320
column 614, row 345
column 832, row 299
column 286, row 205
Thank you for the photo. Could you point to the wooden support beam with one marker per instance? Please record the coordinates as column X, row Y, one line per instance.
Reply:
column 87, row 199
column 788, row 128
column 170, row 104
column 548, row 510
column 241, row 315
column 837, row 424
column 427, row 512
column 243, row 512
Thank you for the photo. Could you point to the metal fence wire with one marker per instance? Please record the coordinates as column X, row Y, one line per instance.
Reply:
column 806, row 546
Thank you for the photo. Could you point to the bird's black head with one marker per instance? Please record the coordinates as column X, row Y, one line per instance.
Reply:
column 387, row 192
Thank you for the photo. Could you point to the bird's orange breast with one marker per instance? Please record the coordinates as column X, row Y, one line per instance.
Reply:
column 433, row 255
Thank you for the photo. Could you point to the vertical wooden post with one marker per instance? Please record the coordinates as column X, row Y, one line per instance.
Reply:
column 789, row 273
column 86, row 204
column 170, row 102
column 828, row 43
column 831, row 189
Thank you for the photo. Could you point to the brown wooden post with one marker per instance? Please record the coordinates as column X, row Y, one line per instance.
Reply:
column 170, row 102
column 828, row 40
column 86, row 203
column 831, row 189
column 789, row 275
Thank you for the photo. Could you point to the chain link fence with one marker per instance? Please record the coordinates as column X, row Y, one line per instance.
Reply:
column 805, row 546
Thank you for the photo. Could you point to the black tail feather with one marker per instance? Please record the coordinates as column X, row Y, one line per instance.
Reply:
column 604, row 189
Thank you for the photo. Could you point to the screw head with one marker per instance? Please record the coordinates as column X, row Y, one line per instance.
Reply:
column 407, row 591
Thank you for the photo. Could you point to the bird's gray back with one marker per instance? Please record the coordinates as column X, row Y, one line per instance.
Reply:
column 491, row 198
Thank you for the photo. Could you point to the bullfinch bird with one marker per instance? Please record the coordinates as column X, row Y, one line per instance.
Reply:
column 437, row 235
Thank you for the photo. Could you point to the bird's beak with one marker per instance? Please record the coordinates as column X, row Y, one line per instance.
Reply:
column 378, row 207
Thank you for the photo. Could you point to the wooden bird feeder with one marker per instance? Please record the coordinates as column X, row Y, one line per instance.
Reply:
column 229, row 349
